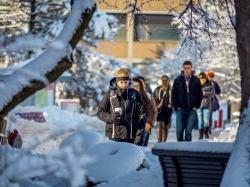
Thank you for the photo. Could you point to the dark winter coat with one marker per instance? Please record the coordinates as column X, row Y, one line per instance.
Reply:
column 162, row 100
column 186, row 97
column 216, row 87
column 149, row 107
column 133, row 115
column 208, row 93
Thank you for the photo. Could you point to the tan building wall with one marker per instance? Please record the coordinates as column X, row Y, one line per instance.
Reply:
column 118, row 49
column 144, row 5
column 136, row 51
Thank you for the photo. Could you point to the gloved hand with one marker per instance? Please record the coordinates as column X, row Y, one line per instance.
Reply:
column 139, row 137
column 117, row 118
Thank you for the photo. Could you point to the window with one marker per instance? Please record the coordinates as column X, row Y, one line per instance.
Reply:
column 122, row 21
column 155, row 27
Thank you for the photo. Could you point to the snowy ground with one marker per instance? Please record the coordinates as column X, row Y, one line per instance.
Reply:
column 58, row 121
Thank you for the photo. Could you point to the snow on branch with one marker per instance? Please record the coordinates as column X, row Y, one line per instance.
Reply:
column 49, row 65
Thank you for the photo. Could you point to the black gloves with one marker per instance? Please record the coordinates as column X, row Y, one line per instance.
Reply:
column 118, row 118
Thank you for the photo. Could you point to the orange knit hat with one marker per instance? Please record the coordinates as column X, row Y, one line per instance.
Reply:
column 210, row 74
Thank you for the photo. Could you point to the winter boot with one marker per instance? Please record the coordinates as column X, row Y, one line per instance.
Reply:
column 206, row 129
column 200, row 134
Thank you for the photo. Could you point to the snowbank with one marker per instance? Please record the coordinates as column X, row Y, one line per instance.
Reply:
column 58, row 123
column 113, row 160
column 82, row 141
column 147, row 177
column 237, row 172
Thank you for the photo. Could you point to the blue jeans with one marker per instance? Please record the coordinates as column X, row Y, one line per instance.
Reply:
column 185, row 121
column 204, row 117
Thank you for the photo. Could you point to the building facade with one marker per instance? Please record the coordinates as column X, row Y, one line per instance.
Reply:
column 144, row 33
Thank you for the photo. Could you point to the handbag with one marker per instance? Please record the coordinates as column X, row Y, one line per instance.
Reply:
column 215, row 104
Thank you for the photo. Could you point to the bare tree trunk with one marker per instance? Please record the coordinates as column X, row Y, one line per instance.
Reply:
column 32, row 15
column 243, row 47
column 51, row 76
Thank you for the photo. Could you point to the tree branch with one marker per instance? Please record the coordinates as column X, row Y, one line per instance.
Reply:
column 36, row 84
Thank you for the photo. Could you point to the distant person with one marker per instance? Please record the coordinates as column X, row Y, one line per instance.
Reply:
column 147, row 87
column 164, row 110
column 122, row 110
column 211, row 76
column 215, row 101
column 186, row 99
column 149, row 108
column 206, row 105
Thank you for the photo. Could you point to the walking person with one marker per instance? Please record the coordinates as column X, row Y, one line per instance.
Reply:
column 186, row 99
column 164, row 111
column 149, row 108
column 122, row 110
column 215, row 101
column 206, row 105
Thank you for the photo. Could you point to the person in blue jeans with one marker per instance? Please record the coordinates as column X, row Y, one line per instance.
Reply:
column 205, row 110
column 186, row 99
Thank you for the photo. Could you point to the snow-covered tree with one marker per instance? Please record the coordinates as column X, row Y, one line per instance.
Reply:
column 12, row 24
column 54, row 60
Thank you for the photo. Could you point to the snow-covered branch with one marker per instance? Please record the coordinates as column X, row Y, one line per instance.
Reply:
column 49, row 65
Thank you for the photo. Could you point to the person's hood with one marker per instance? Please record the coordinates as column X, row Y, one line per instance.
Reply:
column 113, row 86
column 112, row 83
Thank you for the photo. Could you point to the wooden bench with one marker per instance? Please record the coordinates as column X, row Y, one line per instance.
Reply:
column 193, row 164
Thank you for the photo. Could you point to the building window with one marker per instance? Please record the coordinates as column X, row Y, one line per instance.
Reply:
column 155, row 27
column 122, row 22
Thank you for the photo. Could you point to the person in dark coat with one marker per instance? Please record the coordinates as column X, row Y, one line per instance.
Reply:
column 162, row 100
column 206, row 105
column 149, row 108
column 122, row 110
column 186, row 99
column 210, row 76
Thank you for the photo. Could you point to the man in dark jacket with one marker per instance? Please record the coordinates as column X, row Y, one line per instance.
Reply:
column 122, row 110
column 186, row 98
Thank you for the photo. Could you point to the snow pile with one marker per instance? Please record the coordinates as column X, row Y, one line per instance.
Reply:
column 146, row 177
column 82, row 141
column 238, row 168
column 90, row 158
column 58, row 124
column 20, row 168
column 113, row 160
column 225, row 135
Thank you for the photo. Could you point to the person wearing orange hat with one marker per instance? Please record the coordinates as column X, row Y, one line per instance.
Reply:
column 211, row 75
column 122, row 110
